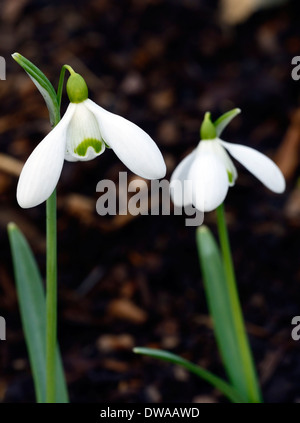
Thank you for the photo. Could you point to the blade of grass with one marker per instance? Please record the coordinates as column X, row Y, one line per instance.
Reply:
column 33, row 314
column 220, row 308
column 248, row 366
column 209, row 377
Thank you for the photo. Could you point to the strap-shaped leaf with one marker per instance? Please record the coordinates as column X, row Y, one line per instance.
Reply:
column 221, row 123
column 43, row 85
column 220, row 308
column 33, row 314
column 214, row 380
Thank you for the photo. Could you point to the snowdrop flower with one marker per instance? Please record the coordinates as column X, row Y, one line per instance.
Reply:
column 204, row 176
column 82, row 135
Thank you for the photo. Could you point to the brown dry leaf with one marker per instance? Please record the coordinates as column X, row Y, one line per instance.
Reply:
column 79, row 206
column 168, row 132
column 269, row 364
column 255, row 330
column 162, row 100
column 34, row 237
column 84, row 209
column 12, row 10
column 204, row 399
column 115, row 365
column 233, row 12
column 287, row 156
column 153, row 393
column 10, row 165
column 3, row 388
column 115, row 342
column 125, row 309
column 292, row 207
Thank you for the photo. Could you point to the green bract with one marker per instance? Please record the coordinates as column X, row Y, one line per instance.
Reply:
column 43, row 85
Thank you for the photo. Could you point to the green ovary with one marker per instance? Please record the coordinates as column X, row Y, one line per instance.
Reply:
column 81, row 149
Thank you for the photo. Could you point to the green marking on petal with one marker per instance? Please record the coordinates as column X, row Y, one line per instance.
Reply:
column 81, row 149
column 230, row 177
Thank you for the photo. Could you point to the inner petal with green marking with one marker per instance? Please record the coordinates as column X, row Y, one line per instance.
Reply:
column 81, row 149
column 230, row 177
column 84, row 141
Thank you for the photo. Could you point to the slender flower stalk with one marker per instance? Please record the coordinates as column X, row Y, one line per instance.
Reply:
column 51, row 277
column 250, row 375
column 51, row 297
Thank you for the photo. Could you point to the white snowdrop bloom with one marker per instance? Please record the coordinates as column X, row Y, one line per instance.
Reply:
column 203, row 177
column 82, row 135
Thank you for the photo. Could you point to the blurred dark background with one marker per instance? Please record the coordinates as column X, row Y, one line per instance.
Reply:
column 136, row 281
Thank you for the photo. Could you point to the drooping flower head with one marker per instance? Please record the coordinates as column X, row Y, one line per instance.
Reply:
column 203, row 177
column 82, row 134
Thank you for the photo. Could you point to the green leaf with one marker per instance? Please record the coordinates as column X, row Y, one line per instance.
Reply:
column 220, row 308
column 209, row 377
column 221, row 123
column 43, row 85
column 33, row 314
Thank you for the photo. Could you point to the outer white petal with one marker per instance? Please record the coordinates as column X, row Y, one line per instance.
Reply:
column 209, row 177
column 223, row 155
column 179, row 185
column 134, row 147
column 259, row 165
column 42, row 170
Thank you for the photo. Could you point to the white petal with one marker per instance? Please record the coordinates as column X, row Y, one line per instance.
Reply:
column 220, row 151
column 179, row 188
column 259, row 165
column 84, row 141
column 132, row 145
column 209, row 177
column 42, row 170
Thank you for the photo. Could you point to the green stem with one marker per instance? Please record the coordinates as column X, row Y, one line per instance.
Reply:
column 51, row 291
column 61, row 82
column 51, row 298
column 250, row 374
